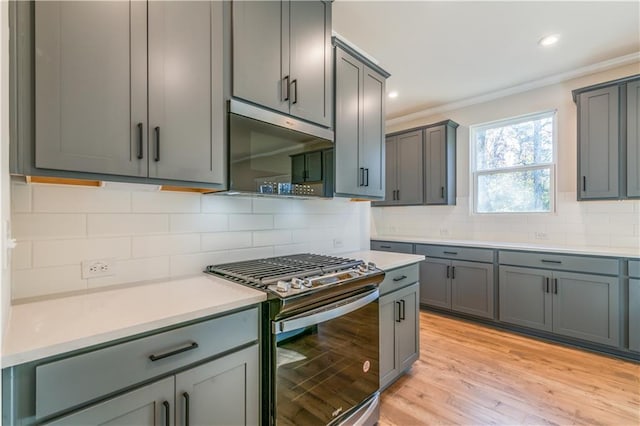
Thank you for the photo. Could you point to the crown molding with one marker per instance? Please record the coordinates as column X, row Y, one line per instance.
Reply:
column 546, row 81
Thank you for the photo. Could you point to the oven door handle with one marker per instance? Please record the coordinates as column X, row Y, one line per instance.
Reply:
column 334, row 310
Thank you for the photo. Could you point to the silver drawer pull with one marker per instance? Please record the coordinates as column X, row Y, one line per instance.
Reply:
column 558, row 262
column 400, row 278
column 187, row 347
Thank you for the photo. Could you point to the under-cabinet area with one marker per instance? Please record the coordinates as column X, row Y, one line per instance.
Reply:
column 585, row 300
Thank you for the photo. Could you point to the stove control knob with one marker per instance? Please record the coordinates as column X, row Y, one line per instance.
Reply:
column 282, row 286
column 362, row 268
column 371, row 266
column 307, row 282
column 297, row 283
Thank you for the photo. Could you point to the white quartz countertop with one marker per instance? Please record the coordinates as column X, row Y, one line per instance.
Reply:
column 50, row 327
column 385, row 260
column 589, row 251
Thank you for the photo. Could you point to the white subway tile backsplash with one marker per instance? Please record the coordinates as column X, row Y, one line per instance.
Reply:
column 226, row 204
column 274, row 205
column 204, row 222
column 21, row 255
column 45, row 281
column 48, row 225
column 70, row 252
column 608, row 207
column 20, row 197
column 291, row 249
column 165, row 202
column 291, row 221
column 629, row 241
column 79, row 199
column 164, row 245
column 270, row 238
column 247, row 222
column 135, row 270
column 225, row 241
column 99, row 225
column 250, row 253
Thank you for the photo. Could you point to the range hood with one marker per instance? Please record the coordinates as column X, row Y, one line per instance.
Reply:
column 273, row 154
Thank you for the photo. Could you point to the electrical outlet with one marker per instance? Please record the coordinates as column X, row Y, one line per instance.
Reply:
column 98, row 268
column 337, row 243
column 444, row 232
column 541, row 235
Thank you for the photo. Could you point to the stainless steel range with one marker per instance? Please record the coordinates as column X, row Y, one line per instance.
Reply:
column 321, row 320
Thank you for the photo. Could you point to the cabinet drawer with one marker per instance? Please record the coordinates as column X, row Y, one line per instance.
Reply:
column 452, row 252
column 595, row 265
column 89, row 376
column 395, row 247
column 634, row 268
column 398, row 278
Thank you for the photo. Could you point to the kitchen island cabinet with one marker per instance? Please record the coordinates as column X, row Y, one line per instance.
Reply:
column 107, row 101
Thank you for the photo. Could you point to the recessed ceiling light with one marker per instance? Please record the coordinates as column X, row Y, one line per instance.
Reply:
column 393, row 94
column 549, row 40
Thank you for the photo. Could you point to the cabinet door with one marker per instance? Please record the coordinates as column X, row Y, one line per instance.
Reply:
column 407, row 330
column 634, row 314
column 598, row 117
column 372, row 143
column 185, row 91
column 91, row 86
column 409, row 168
column 633, row 138
column 313, row 162
column 224, row 391
column 434, row 282
column 525, row 297
column 349, row 177
column 298, row 165
column 391, row 171
column 472, row 288
column 586, row 307
column 389, row 315
column 141, row 407
column 435, row 164
column 259, row 37
column 310, row 59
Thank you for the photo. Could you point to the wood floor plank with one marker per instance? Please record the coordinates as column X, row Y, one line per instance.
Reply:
column 470, row 374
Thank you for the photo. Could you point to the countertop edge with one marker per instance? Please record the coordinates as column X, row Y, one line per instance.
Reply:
column 620, row 252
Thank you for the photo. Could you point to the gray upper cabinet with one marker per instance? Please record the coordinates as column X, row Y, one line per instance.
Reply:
column 404, row 179
column 633, row 139
column 91, row 87
column 129, row 91
column 186, row 108
column 440, row 163
column 598, row 143
column 359, row 125
column 608, row 154
column 272, row 66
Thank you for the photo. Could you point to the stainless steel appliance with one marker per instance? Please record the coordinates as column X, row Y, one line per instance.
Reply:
column 277, row 155
column 321, row 322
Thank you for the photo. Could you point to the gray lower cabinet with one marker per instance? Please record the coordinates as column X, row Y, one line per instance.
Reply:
column 121, row 89
column 359, row 124
column 461, row 286
column 272, row 66
column 581, row 306
column 392, row 246
column 403, row 169
column 440, row 163
column 220, row 392
column 399, row 332
column 634, row 305
column 608, row 125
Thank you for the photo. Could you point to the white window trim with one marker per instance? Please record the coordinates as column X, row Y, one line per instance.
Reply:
column 473, row 175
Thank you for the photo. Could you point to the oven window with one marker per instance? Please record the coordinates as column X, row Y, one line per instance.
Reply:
column 325, row 370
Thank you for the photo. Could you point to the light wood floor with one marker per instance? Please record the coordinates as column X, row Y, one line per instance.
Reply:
column 474, row 375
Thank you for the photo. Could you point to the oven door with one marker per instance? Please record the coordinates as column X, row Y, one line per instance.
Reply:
column 327, row 361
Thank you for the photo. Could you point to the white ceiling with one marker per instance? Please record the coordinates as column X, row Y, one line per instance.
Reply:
column 446, row 51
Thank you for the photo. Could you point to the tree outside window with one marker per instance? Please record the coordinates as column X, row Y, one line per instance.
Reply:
column 513, row 165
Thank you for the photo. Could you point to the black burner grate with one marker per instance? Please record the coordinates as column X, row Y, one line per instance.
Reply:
column 262, row 272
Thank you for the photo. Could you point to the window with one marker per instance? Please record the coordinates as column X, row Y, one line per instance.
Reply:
column 513, row 165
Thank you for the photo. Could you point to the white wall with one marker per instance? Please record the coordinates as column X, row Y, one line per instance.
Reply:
column 157, row 235
column 5, row 279
column 580, row 224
